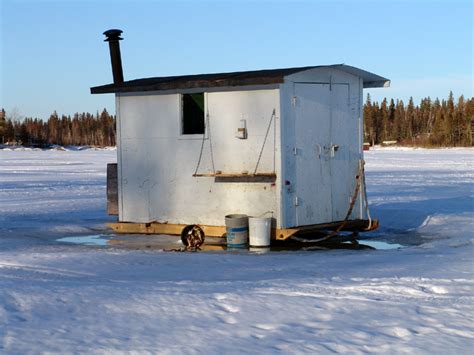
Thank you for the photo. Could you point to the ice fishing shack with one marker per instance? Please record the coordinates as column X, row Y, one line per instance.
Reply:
column 286, row 142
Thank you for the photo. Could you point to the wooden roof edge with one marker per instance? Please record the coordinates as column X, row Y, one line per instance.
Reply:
column 232, row 79
column 163, row 86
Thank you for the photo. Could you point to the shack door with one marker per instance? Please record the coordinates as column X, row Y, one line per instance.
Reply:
column 344, row 142
column 321, row 155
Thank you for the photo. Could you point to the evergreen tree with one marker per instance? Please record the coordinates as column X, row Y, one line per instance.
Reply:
column 384, row 121
column 400, row 127
column 432, row 122
column 391, row 121
column 410, row 121
column 368, row 122
column 3, row 123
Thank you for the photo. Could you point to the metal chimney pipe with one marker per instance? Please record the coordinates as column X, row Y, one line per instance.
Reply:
column 113, row 37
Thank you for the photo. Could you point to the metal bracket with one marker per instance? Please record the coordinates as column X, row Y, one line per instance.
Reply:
column 318, row 146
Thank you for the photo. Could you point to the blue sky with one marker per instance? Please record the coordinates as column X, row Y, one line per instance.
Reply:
column 52, row 52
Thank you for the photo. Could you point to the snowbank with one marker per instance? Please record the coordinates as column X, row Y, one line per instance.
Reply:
column 9, row 148
column 71, row 299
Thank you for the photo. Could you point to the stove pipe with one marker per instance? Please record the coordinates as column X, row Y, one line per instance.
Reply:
column 113, row 37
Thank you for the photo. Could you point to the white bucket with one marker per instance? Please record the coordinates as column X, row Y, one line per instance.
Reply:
column 259, row 231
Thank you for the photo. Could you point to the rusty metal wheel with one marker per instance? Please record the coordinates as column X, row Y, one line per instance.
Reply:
column 192, row 237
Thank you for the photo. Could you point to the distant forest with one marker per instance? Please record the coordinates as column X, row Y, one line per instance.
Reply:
column 80, row 129
column 445, row 123
column 432, row 123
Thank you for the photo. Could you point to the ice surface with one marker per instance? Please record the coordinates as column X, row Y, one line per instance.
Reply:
column 66, row 298
column 99, row 240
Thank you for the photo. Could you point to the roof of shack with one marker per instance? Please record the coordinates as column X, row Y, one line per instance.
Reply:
column 216, row 80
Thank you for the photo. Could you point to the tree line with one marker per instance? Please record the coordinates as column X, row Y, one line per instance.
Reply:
column 434, row 123
column 445, row 123
column 80, row 129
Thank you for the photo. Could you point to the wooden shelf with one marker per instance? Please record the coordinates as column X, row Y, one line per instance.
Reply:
column 236, row 175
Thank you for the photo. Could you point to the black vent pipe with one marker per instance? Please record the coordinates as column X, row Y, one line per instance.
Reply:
column 113, row 37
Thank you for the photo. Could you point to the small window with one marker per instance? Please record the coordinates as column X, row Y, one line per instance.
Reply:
column 193, row 113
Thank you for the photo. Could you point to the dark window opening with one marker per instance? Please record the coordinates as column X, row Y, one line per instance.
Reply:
column 193, row 113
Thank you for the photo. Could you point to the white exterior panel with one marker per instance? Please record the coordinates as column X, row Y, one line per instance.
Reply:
column 157, row 162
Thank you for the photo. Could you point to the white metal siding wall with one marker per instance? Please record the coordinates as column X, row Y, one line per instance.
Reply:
column 157, row 162
column 361, row 200
column 119, row 152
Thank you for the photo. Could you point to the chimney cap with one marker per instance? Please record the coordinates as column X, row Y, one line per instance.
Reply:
column 113, row 35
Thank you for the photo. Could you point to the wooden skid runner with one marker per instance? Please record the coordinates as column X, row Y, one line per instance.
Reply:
column 219, row 231
column 235, row 175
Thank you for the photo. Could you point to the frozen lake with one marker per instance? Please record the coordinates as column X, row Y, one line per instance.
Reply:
column 58, row 297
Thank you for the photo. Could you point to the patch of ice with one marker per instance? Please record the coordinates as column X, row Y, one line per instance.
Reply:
column 99, row 240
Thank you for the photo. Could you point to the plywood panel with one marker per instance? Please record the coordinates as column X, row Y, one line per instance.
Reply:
column 112, row 189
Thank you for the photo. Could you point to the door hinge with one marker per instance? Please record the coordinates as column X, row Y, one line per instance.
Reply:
column 297, row 201
column 293, row 100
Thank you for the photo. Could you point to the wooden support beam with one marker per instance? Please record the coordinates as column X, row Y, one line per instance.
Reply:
column 282, row 234
column 219, row 231
column 235, row 175
column 162, row 228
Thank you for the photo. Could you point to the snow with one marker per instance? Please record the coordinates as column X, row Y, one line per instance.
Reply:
column 65, row 298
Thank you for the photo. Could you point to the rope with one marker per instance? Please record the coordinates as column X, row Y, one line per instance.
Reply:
column 366, row 201
column 264, row 213
column 200, row 152
column 210, row 142
column 263, row 145
column 274, row 144
column 207, row 127
column 359, row 178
